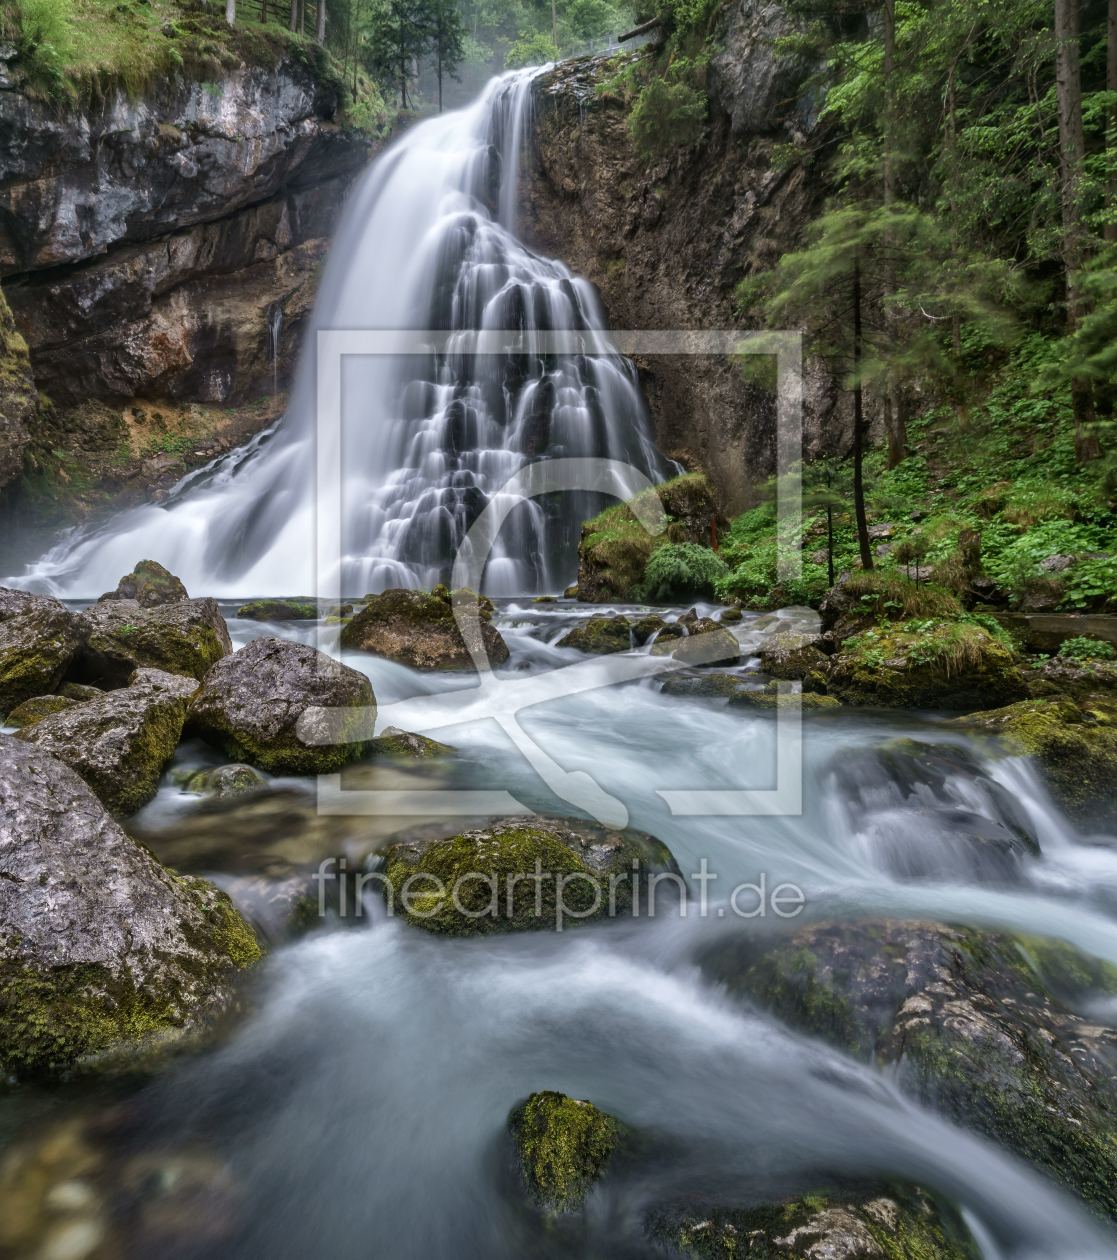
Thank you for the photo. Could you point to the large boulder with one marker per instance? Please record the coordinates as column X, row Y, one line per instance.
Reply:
column 39, row 639
column 926, row 665
column 101, row 944
column 995, row 1031
column 37, row 708
column 279, row 610
column 600, row 636
column 418, row 629
column 121, row 743
column 791, row 655
column 1074, row 745
column 563, row 1145
column 458, row 885
column 285, row 707
column 185, row 637
column 150, row 585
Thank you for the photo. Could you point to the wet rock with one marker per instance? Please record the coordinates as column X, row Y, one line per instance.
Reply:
column 34, row 710
column 945, row 665
column 225, row 782
column 986, row 1027
column 392, row 742
column 279, row 610
column 706, row 645
column 600, row 636
column 185, row 637
column 1075, row 746
column 1063, row 676
column 648, row 627
column 150, row 585
column 419, row 629
column 18, row 396
column 102, row 945
column 708, row 685
column 930, row 811
column 39, row 639
column 285, row 707
column 729, row 615
column 79, row 692
column 564, row 1145
column 121, row 743
column 459, row 886
column 770, row 701
column 889, row 1223
column 790, row 655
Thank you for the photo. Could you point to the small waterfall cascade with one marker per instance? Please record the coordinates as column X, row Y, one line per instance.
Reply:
column 427, row 241
column 275, row 327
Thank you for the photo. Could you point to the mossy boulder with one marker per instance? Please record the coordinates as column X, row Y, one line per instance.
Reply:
column 392, row 742
column 707, row 685
column 769, row 700
column 916, row 665
column 225, row 782
column 1062, row 676
column 121, row 743
column 654, row 627
column 600, row 636
column 1074, row 744
column 34, row 710
column 102, row 945
column 507, row 877
column 183, row 637
column 39, row 639
column 991, row 1029
column 279, row 610
column 150, row 585
column 931, row 811
column 564, row 1145
column 285, row 707
column 792, row 656
column 897, row 1222
column 707, row 644
column 79, row 692
column 419, row 629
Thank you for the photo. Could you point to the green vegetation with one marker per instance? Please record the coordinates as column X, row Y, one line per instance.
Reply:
column 564, row 1145
column 1084, row 648
column 680, row 571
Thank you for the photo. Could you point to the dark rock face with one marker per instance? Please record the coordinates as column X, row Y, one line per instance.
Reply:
column 18, row 396
column 149, row 584
column 121, row 743
column 285, row 707
column 420, row 630
column 981, row 1026
column 184, row 637
column 39, row 638
column 101, row 945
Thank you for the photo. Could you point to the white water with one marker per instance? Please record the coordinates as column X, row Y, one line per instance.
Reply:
column 426, row 242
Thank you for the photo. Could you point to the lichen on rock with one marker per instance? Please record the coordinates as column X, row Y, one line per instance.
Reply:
column 509, row 877
column 564, row 1145
column 419, row 629
column 285, row 707
column 102, row 945
column 120, row 743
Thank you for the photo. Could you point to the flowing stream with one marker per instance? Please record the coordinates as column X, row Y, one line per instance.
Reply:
column 357, row 1104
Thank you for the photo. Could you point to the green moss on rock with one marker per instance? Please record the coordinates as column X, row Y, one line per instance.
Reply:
column 149, row 584
column 34, row 710
column 279, row 610
column 419, row 629
column 564, row 1145
column 392, row 742
column 769, row 701
column 600, row 636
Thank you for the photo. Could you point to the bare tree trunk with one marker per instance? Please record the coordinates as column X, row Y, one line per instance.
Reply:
column 321, row 23
column 231, row 12
column 554, row 25
column 302, row 18
column 1072, row 153
column 961, row 407
column 263, row 12
column 894, row 407
column 858, row 427
column 294, row 15
column 1111, row 145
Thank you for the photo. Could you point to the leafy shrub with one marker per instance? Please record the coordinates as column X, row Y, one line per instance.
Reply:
column 681, row 571
column 44, row 38
column 533, row 48
column 1083, row 648
column 666, row 116
column 1091, row 581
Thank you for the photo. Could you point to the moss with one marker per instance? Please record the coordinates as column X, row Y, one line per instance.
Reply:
column 680, row 571
column 600, row 636
column 150, row 584
column 285, row 754
column 37, row 708
column 396, row 743
column 807, row 701
column 1077, row 754
column 279, row 610
column 708, row 685
column 485, row 862
column 904, row 1222
column 230, row 934
column 564, row 1145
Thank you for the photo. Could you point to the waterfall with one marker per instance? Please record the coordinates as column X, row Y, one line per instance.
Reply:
column 275, row 327
column 427, row 241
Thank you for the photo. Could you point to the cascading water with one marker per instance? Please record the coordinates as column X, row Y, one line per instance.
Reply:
column 427, row 242
column 275, row 327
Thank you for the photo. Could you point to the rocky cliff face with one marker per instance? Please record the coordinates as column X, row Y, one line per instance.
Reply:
column 148, row 243
column 18, row 397
column 667, row 246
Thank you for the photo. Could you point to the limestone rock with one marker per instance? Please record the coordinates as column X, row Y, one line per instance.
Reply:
column 600, row 636
column 80, row 692
column 37, row 708
column 707, row 644
column 419, row 630
column 279, row 610
column 101, row 945
column 185, row 637
column 285, row 707
column 457, row 886
column 149, row 584
column 392, row 742
column 39, row 638
column 988, row 1028
column 770, row 701
column 225, row 782
column 121, row 743
column 792, row 656
column 756, row 86
column 18, row 396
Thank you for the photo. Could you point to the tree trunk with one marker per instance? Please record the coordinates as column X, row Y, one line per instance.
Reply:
column 858, row 427
column 321, row 23
column 294, row 15
column 302, row 18
column 263, row 12
column 889, row 105
column 830, row 542
column 554, row 25
column 1072, row 153
column 1111, row 85
column 895, row 410
column 440, row 78
column 231, row 12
